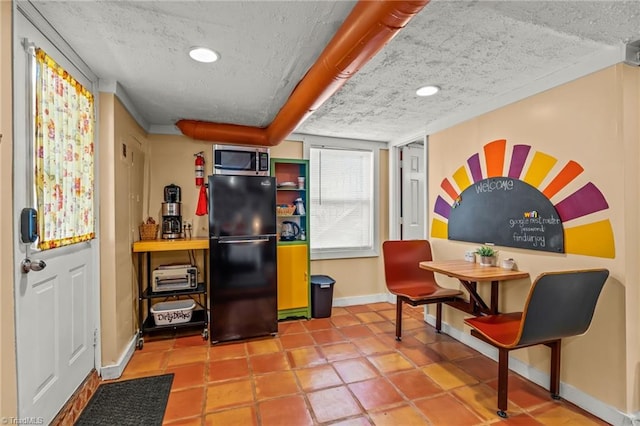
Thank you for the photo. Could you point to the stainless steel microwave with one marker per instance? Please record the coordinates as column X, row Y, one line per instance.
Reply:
column 240, row 160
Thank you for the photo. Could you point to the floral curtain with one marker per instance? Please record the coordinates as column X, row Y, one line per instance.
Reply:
column 64, row 156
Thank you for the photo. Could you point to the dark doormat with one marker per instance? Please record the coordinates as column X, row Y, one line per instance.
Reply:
column 130, row 402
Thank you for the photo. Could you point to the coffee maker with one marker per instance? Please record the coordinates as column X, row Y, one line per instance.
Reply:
column 172, row 213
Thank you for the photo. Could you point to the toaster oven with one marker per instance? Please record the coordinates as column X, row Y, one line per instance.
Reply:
column 173, row 278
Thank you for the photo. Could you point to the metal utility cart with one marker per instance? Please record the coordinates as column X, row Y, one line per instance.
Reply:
column 199, row 318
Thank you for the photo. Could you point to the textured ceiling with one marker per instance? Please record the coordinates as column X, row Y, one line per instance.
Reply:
column 477, row 51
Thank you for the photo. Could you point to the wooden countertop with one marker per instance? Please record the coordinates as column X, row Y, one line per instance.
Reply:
column 198, row 243
column 471, row 271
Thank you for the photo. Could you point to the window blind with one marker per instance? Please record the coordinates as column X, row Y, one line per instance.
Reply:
column 341, row 188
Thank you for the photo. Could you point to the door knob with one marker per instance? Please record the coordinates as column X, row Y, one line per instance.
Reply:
column 28, row 265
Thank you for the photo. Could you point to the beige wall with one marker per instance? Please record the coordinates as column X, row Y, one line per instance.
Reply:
column 8, row 390
column 580, row 121
column 172, row 161
column 630, row 129
column 121, row 184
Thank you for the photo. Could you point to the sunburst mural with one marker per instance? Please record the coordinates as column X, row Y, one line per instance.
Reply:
column 514, row 210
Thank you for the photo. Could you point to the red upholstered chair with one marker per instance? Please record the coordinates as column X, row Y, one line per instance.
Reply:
column 559, row 305
column 411, row 284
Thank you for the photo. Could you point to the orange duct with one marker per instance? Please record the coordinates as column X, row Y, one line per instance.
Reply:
column 367, row 29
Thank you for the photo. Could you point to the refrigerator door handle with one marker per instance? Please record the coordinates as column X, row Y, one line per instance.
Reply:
column 254, row 240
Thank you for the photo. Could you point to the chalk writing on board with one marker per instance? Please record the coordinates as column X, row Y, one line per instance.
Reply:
column 508, row 212
column 531, row 228
column 490, row 185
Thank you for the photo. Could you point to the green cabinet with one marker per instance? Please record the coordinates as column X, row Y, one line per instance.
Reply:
column 292, row 213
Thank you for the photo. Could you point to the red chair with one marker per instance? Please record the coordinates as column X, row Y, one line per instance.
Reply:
column 411, row 284
column 559, row 305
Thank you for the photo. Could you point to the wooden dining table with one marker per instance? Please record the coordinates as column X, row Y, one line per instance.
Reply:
column 470, row 274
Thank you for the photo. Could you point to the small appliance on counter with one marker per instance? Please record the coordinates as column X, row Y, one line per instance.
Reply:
column 174, row 277
column 172, row 213
column 289, row 231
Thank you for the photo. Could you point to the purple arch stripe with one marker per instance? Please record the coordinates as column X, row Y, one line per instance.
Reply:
column 584, row 201
column 474, row 166
column 442, row 207
column 518, row 157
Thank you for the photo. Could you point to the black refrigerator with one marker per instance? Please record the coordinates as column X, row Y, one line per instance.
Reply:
column 242, row 248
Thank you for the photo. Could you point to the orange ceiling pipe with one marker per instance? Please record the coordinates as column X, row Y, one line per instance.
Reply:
column 367, row 29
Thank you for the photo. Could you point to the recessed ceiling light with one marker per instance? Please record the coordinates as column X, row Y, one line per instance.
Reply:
column 427, row 90
column 202, row 54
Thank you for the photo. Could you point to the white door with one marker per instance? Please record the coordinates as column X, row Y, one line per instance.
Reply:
column 55, row 307
column 413, row 192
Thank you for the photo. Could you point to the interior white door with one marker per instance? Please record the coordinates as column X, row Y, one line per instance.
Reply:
column 55, row 315
column 413, row 192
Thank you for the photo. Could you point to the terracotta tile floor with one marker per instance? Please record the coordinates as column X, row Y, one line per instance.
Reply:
column 345, row 370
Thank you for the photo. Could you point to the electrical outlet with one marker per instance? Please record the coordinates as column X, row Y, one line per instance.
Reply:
column 186, row 224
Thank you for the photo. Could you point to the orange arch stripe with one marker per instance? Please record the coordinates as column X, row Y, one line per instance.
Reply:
column 494, row 157
column 568, row 173
column 449, row 189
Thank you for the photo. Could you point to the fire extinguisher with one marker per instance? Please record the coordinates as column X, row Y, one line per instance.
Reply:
column 199, row 168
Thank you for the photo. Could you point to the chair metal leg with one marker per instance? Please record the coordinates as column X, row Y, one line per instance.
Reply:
column 438, row 317
column 503, row 381
column 554, row 385
column 399, row 319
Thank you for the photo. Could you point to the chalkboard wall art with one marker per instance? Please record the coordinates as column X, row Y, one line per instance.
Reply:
column 506, row 212
column 517, row 208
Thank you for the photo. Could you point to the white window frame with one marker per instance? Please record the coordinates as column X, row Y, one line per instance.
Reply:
column 349, row 144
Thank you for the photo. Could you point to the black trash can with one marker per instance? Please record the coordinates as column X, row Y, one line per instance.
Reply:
column 321, row 295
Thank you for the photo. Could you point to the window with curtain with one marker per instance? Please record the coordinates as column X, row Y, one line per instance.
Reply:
column 64, row 156
column 343, row 211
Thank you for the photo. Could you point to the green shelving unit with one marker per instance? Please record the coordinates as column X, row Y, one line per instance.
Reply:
column 294, row 295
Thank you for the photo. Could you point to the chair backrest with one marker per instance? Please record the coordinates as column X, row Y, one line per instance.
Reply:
column 401, row 259
column 561, row 304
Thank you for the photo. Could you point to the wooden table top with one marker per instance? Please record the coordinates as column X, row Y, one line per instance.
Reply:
column 471, row 271
column 198, row 243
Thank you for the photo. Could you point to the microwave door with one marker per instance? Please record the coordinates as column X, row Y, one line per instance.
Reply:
column 235, row 160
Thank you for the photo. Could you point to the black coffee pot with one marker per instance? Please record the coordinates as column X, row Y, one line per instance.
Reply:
column 172, row 194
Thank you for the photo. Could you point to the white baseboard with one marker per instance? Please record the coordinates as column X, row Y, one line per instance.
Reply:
column 567, row 392
column 633, row 420
column 114, row 371
column 362, row 300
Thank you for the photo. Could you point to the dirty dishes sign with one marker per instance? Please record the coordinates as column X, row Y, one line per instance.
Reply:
column 506, row 212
